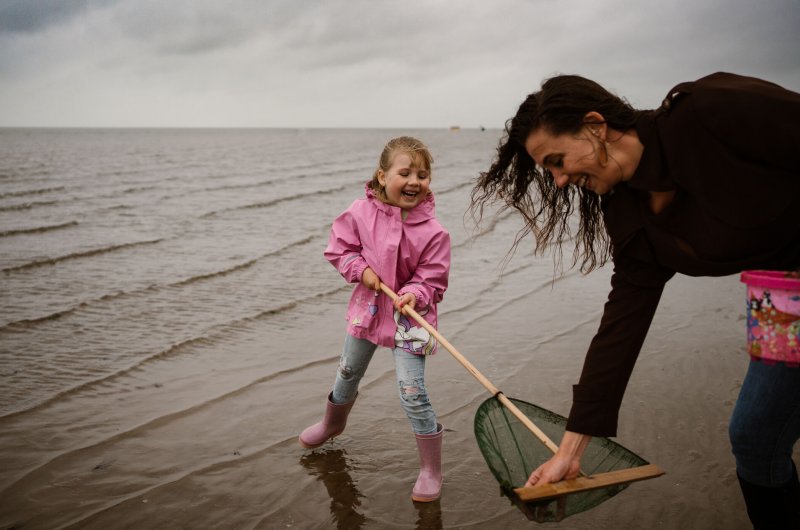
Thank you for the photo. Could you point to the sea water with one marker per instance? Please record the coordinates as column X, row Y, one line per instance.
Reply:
column 122, row 246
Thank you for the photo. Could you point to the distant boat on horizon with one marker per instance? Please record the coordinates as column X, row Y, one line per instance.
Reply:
column 456, row 128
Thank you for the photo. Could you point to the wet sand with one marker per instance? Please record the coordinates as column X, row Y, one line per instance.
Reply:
column 206, row 442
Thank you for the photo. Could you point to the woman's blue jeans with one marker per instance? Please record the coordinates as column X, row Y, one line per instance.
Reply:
column 766, row 424
column 410, row 370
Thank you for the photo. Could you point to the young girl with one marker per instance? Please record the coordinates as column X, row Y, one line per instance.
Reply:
column 391, row 236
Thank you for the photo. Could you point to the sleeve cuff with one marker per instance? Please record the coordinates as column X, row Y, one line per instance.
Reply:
column 358, row 270
column 590, row 415
column 421, row 301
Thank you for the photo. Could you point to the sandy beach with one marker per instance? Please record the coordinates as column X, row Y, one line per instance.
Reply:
column 166, row 335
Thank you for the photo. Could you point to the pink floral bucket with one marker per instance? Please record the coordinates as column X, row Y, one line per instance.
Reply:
column 773, row 316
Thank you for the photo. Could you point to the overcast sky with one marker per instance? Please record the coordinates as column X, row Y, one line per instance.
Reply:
column 364, row 63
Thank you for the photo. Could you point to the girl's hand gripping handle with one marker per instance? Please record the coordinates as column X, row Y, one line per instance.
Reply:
column 370, row 279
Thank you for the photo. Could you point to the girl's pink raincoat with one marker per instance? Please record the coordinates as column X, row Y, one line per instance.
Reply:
column 410, row 255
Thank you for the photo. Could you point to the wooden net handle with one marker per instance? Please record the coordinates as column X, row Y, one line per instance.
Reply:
column 537, row 432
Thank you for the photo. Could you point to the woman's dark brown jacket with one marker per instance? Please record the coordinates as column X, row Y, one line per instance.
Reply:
column 729, row 146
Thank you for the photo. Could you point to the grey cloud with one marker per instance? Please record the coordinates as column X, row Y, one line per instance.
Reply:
column 33, row 15
column 185, row 27
column 365, row 62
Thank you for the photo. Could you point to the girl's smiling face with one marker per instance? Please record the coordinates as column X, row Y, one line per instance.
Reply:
column 406, row 183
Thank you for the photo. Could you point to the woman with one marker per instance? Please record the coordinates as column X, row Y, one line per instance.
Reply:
column 706, row 185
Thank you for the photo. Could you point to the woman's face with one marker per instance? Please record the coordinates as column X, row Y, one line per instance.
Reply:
column 575, row 158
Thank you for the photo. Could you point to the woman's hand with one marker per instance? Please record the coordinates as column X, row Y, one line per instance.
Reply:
column 565, row 464
column 370, row 279
column 555, row 469
column 405, row 300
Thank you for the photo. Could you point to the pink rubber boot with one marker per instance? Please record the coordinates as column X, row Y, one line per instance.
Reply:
column 429, row 482
column 331, row 425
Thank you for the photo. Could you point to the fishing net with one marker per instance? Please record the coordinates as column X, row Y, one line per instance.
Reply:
column 512, row 452
column 514, row 445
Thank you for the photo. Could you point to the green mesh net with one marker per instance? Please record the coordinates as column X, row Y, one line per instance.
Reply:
column 512, row 452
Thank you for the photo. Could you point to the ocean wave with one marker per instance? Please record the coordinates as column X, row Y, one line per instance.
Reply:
column 75, row 198
column 31, row 322
column 484, row 230
column 26, row 323
column 78, row 255
column 453, row 188
column 477, row 316
column 27, row 205
column 37, row 229
column 131, row 190
column 279, row 200
column 38, row 191
column 258, row 184
column 27, row 173
column 244, row 265
column 212, row 336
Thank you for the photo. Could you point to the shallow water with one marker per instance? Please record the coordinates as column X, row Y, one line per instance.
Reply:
column 168, row 326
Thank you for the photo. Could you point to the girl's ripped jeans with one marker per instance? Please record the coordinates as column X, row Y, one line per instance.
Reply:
column 410, row 370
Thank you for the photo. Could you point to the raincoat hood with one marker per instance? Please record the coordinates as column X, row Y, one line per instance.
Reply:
column 421, row 212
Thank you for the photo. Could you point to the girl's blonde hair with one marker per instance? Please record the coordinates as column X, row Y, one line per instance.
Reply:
column 418, row 151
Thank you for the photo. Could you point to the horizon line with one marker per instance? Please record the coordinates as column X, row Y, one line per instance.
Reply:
column 236, row 127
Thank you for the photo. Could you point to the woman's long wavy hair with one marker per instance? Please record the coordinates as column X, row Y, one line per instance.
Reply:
column 515, row 179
